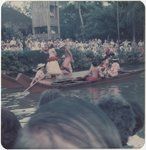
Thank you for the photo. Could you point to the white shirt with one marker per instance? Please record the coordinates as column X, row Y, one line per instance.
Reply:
column 12, row 42
column 52, row 52
column 39, row 75
column 42, row 44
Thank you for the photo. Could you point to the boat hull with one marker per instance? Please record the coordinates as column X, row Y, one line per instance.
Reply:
column 45, row 84
column 25, row 82
column 9, row 82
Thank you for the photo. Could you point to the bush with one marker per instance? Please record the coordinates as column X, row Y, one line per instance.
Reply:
column 130, row 57
column 22, row 61
column 26, row 61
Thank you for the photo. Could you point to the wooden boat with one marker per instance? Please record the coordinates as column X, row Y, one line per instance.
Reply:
column 9, row 82
column 69, row 82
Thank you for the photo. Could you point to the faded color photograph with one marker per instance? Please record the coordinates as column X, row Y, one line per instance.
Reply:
column 72, row 74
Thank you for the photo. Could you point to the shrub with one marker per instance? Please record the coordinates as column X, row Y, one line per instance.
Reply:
column 26, row 61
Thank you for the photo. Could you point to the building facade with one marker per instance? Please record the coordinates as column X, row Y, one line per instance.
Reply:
column 45, row 19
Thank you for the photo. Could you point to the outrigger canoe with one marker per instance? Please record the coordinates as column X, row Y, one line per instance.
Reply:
column 9, row 82
column 72, row 82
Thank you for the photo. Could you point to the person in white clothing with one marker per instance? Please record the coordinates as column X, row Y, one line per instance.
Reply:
column 52, row 66
column 13, row 42
column 40, row 74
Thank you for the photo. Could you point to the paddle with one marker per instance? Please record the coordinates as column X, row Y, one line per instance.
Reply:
column 33, row 84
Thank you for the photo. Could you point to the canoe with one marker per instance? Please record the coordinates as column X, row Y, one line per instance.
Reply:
column 12, row 83
column 70, row 82
column 9, row 82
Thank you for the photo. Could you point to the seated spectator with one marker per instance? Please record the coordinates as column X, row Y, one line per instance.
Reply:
column 13, row 42
column 69, row 123
column 9, row 128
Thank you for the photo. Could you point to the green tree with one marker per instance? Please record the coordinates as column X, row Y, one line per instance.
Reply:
column 69, row 21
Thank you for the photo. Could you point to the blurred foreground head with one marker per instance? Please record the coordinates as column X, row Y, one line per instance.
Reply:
column 49, row 95
column 9, row 128
column 69, row 123
column 121, row 113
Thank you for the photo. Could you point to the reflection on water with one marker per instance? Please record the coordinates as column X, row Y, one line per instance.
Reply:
column 24, row 104
column 131, row 89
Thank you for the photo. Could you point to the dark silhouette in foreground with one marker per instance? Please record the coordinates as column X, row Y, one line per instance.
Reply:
column 10, row 127
column 138, row 115
column 49, row 95
column 121, row 113
column 69, row 123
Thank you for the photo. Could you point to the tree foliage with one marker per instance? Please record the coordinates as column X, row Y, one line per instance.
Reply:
column 84, row 20
column 101, row 21
column 14, row 23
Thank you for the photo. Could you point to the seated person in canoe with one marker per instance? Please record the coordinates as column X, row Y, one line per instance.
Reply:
column 40, row 74
column 93, row 74
column 114, row 69
column 103, row 68
column 52, row 66
column 68, row 59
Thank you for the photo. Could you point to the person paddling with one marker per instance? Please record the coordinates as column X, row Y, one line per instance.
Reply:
column 40, row 73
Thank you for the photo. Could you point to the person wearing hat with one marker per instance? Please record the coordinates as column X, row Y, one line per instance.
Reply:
column 40, row 73
column 115, row 67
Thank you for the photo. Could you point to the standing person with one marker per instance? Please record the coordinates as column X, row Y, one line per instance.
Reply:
column 66, row 66
column 52, row 66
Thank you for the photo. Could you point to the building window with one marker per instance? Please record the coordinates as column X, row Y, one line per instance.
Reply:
column 54, row 29
column 53, row 11
column 40, row 30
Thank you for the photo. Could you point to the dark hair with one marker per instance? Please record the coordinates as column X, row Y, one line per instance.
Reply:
column 49, row 95
column 94, row 63
column 138, row 115
column 69, row 123
column 9, row 128
column 120, row 112
column 51, row 46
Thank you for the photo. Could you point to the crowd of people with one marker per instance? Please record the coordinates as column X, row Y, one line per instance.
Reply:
column 12, row 45
column 62, row 121
column 95, row 45
column 103, row 69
